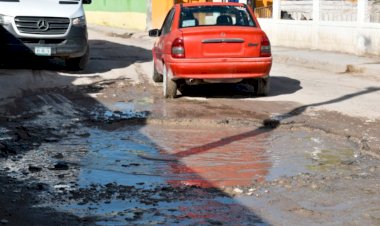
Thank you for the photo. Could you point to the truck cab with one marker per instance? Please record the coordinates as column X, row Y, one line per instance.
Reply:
column 45, row 28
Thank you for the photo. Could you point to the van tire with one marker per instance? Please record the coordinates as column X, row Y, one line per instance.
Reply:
column 78, row 63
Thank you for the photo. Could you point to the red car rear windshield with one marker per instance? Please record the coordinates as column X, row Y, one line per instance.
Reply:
column 220, row 15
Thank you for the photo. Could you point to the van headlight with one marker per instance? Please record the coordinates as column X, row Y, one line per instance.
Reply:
column 5, row 19
column 79, row 21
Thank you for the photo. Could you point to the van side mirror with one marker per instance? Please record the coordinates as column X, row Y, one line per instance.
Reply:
column 154, row 33
column 86, row 1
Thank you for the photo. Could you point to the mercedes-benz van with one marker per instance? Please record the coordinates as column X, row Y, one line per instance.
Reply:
column 45, row 28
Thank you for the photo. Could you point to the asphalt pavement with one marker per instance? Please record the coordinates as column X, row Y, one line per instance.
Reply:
column 366, row 66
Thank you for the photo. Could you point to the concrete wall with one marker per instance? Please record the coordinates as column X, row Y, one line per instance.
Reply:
column 159, row 10
column 131, row 14
column 360, row 37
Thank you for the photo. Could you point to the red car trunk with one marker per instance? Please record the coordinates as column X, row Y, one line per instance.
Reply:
column 236, row 42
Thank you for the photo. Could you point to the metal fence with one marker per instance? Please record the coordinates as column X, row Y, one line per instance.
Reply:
column 264, row 12
column 374, row 11
column 329, row 10
column 338, row 10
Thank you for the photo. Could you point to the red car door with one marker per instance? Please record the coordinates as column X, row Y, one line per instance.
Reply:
column 159, row 47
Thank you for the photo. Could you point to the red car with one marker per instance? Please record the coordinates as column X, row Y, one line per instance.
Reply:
column 210, row 43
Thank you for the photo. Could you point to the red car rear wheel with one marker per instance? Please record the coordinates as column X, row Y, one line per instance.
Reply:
column 157, row 77
column 169, row 86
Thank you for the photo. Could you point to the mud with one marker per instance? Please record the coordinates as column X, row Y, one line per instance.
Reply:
column 133, row 160
column 112, row 151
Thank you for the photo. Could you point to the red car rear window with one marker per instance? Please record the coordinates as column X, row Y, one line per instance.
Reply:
column 220, row 15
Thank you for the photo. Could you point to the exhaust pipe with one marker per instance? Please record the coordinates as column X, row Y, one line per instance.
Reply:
column 192, row 81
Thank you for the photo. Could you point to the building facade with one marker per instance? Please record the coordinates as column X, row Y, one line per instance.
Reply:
column 349, row 26
column 131, row 14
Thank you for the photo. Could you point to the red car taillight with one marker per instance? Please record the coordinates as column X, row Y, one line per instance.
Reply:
column 265, row 47
column 178, row 48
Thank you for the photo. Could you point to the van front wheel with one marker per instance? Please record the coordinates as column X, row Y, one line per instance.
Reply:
column 78, row 63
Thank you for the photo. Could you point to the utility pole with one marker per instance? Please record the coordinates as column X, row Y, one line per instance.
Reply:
column 148, row 15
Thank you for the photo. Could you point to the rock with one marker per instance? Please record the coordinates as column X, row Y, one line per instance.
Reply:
column 34, row 169
column 129, row 216
column 348, row 162
column 271, row 123
column 2, row 146
column 61, row 166
column 22, row 133
column 51, row 139
column 58, row 156
column 41, row 187
column 131, row 164
column 82, row 134
column 213, row 222
column 237, row 191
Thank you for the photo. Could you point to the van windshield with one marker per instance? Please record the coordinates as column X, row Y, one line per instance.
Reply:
column 194, row 16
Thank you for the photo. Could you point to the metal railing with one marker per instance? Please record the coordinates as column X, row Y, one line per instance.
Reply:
column 264, row 12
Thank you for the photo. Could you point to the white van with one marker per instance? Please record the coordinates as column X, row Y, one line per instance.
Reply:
column 45, row 28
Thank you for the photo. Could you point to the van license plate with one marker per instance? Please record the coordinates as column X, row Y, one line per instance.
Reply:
column 42, row 51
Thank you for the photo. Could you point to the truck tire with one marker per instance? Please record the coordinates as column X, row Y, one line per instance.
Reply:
column 169, row 86
column 78, row 63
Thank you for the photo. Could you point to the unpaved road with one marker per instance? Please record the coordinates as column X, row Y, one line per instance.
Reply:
column 103, row 147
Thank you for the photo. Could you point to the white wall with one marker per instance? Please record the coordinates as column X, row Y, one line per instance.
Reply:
column 357, row 37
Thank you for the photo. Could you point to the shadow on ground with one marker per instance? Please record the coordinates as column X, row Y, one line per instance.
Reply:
column 278, row 86
column 112, row 55
column 47, row 110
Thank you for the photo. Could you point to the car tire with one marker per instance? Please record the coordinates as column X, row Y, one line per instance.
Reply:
column 186, row 90
column 169, row 86
column 78, row 63
column 157, row 77
column 261, row 86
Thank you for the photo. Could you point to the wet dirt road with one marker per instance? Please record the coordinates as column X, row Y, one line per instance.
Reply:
column 103, row 147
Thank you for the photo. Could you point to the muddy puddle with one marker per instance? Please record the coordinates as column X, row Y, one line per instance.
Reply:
column 155, row 174
column 168, row 173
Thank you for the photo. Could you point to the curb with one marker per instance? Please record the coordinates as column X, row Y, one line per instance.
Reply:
column 328, row 61
column 315, row 59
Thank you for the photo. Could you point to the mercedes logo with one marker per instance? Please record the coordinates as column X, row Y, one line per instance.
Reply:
column 42, row 25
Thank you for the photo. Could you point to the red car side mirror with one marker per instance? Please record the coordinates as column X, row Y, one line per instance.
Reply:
column 154, row 33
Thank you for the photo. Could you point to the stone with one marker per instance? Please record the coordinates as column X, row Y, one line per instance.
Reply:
column 22, row 133
column 237, row 191
column 58, row 156
column 34, row 168
column 61, row 166
column 51, row 139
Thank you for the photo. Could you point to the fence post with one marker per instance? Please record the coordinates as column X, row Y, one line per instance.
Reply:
column 316, row 10
column 276, row 9
column 315, row 24
column 363, row 15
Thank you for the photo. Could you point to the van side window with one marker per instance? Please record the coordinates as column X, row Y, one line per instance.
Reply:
column 167, row 26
